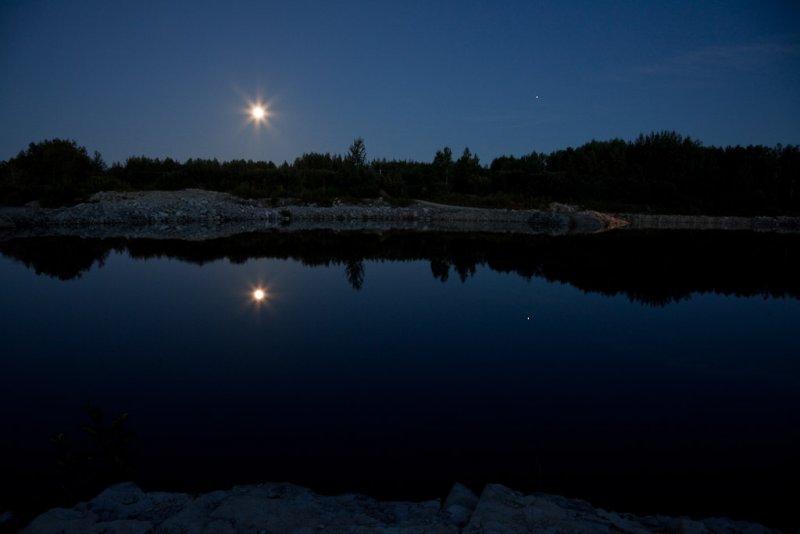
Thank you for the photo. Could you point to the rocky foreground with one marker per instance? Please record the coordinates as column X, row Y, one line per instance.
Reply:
column 290, row 508
column 198, row 214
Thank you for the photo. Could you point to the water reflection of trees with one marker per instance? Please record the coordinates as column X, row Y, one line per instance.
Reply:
column 354, row 269
column 58, row 257
column 650, row 267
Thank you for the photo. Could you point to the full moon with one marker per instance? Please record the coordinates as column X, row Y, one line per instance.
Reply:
column 259, row 295
column 258, row 112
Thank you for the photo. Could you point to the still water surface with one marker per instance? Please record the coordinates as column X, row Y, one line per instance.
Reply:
column 375, row 376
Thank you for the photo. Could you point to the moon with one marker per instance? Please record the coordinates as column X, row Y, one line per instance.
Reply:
column 258, row 112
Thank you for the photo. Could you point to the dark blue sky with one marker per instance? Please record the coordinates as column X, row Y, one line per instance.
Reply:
column 172, row 78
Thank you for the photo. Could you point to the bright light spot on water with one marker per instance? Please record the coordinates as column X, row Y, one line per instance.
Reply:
column 259, row 296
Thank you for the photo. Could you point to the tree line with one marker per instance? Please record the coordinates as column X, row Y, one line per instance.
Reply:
column 657, row 172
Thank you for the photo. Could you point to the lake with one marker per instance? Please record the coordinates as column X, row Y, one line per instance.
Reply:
column 646, row 372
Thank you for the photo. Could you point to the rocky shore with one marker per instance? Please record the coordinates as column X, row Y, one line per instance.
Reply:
column 289, row 508
column 706, row 222
column 198, row 214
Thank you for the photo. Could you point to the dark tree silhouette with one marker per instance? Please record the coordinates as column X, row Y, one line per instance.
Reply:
column 657, row 172
column 54, row 171
column 354, row 269
column 357, row 154
column 443, row 165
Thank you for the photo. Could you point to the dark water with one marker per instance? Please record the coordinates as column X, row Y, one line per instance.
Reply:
column 651, row 373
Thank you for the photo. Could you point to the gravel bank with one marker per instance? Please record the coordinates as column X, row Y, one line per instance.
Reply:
column 198, row 214
column 289, row 508
column 707, row 222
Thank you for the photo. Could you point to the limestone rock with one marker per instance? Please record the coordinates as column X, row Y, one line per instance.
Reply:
column 124, row 508
column 460, row 504
column 502, row 510
column 169, row 212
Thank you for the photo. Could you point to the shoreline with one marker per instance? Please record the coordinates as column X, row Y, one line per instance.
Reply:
column 198, row 214
column 283, row 507
column 198, row 211
column 758, row 223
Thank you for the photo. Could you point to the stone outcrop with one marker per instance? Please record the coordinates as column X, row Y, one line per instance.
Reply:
column 290, row 508
column 200, row 214
column 193, row 211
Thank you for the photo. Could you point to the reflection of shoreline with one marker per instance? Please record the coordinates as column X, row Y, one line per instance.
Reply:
column 196, row 231
column 654, row 267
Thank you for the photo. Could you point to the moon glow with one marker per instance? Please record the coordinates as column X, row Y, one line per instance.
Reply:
column 258, row 113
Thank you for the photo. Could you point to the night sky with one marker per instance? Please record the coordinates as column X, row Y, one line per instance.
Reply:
column 173, row 78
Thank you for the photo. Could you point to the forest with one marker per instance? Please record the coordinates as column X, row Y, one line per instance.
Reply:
column 660, row 172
